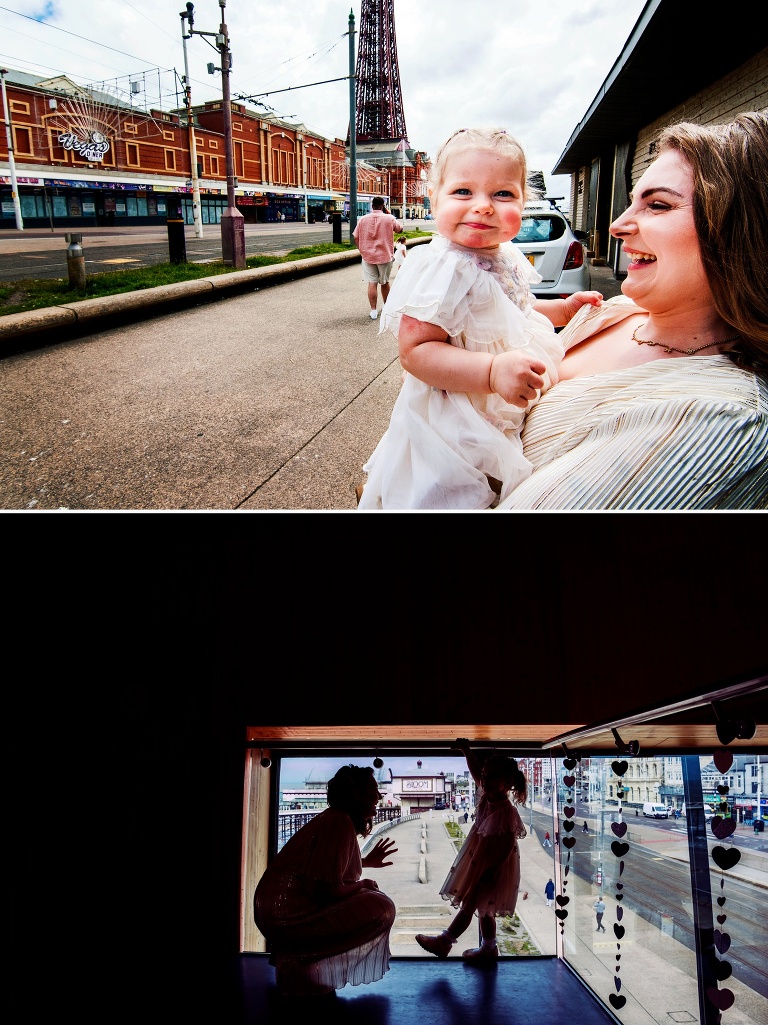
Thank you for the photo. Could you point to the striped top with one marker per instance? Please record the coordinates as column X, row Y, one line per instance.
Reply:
column 680, row 434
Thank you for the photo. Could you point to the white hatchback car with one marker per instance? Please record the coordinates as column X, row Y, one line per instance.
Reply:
column 556, row 252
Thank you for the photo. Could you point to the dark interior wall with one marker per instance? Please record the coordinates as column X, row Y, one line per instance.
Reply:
column 580, row 621
column 141, row 661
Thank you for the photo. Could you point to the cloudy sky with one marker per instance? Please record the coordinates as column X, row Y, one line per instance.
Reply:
column 531, row 66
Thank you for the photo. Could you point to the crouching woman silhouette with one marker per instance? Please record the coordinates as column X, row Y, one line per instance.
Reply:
column 325, row 926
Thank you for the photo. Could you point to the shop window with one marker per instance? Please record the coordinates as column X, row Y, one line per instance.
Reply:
column 131, row 209
column 141, row 206
column 28, row 206
column 170, row 160
column 132, row 154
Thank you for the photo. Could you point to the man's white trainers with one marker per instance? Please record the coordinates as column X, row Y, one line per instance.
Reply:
column 374, row 314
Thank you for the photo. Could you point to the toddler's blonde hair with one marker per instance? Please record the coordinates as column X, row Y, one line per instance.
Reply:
column 497, row 139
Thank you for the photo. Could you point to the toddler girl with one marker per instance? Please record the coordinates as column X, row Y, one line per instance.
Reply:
column 453, row 439
column 401, row 250
column 485, row 876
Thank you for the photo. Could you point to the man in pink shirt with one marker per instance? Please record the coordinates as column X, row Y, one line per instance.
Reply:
column 374, row 235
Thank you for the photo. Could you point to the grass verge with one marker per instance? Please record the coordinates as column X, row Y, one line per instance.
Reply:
column 36, row 294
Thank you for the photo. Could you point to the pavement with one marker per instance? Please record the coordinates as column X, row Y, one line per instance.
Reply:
column 658, row 971
column 261, row 390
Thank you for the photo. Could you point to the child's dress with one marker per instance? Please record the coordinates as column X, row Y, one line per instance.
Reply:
column 499, row 897
column 441, row 447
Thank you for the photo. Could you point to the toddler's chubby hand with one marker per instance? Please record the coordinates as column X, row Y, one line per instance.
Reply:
column 574, row 302
column 517, row 377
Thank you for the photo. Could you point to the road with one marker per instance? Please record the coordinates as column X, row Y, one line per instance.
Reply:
column 37, row 253
column 657, row 864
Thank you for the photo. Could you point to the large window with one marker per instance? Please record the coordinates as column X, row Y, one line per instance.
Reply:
column 670, row 844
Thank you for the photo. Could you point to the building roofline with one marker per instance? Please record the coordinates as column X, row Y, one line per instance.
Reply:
column 649, row 78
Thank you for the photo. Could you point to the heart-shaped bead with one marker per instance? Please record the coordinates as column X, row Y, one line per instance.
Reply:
column 723, row 759
column 721, row 998
column 722, row 828
column 618, row 828
column 726, row 857
column 619, row 768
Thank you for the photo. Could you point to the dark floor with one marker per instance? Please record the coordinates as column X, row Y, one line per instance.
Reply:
column 416, row 991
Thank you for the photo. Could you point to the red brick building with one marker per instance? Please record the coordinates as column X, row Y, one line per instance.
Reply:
column 83, row 158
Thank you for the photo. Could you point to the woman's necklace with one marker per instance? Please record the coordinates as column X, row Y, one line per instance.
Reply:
column 684, row 352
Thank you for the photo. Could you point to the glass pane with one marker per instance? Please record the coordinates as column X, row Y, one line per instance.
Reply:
column 427, row 808
column 626, row 830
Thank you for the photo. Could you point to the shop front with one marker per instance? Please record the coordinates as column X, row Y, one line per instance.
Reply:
column 66, row 203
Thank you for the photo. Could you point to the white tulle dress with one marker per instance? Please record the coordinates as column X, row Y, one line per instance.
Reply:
column 441, row 447
column 498, row 896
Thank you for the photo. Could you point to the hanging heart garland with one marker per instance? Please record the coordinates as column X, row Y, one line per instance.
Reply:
column 620, row 848
column 725, row 858
column 568, row 842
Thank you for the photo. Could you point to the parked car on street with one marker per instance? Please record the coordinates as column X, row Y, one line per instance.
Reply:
column 555, row 250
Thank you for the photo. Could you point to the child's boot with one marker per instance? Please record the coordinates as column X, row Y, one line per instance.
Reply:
column 440, row 946
column 482, row 956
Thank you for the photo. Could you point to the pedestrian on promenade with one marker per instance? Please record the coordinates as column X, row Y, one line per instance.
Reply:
column 325, row 926
column 478, row 348
column 401, row 251
column 547, row 842
column 549, row 893
column 599, row 907
column 374, row 236
column 485, row 876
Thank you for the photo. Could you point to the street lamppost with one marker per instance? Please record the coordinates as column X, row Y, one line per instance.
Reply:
column 352, row 129
column 11, row 161
column 189, row 14
column 232, row 223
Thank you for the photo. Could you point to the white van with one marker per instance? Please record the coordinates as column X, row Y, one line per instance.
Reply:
column 655, row 811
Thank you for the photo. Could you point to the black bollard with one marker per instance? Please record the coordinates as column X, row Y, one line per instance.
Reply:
column 75, row 260
column 337, row 227
column 177, row 243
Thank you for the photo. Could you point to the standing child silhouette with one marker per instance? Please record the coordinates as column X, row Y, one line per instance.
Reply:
column 485, row 876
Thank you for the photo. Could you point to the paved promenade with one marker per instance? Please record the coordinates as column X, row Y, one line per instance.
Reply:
column 269, row 400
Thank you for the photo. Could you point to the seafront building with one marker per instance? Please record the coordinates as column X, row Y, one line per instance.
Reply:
column 85, row 157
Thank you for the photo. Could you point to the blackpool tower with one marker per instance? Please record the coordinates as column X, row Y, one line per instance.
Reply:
column 379, row 109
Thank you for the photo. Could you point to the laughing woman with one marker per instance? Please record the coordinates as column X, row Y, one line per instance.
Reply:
column 662, row 399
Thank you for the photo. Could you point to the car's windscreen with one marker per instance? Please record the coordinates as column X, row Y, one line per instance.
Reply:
column 540, row 229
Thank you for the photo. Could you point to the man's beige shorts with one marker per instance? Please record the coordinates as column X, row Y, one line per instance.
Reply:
column 377, row 273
